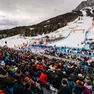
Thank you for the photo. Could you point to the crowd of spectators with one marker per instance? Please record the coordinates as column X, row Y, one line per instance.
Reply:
column 22, row 72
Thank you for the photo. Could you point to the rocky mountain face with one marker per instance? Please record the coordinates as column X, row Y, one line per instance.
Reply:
column 83, row 4
column 90, row 2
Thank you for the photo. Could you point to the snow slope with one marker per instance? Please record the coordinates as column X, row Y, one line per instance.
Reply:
column 75, row 34
column 15, row 40
column 72, row 41
column 78, row 30
column 91, row 34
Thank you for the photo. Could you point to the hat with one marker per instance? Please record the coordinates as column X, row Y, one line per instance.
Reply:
column 2, row 63
column 80, row 75
column 64, row 72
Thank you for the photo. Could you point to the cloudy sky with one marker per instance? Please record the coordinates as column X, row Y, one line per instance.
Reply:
column 28, row 12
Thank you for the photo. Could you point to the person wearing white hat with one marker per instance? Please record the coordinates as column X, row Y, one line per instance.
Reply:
column 2, row 63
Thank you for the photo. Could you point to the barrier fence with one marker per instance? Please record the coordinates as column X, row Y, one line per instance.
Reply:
column 67, row 50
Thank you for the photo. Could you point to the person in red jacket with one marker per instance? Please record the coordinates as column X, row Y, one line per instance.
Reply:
column 43, row 77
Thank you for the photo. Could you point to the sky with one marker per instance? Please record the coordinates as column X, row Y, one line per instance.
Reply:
column 28, row 12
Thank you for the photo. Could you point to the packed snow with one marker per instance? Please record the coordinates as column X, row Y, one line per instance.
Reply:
column 14, row 41
column 78, row 30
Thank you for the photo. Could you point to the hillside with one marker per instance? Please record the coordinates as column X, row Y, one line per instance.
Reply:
column 45, row 27
column 77, row 33
column 51, row 24
column 74, row 29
